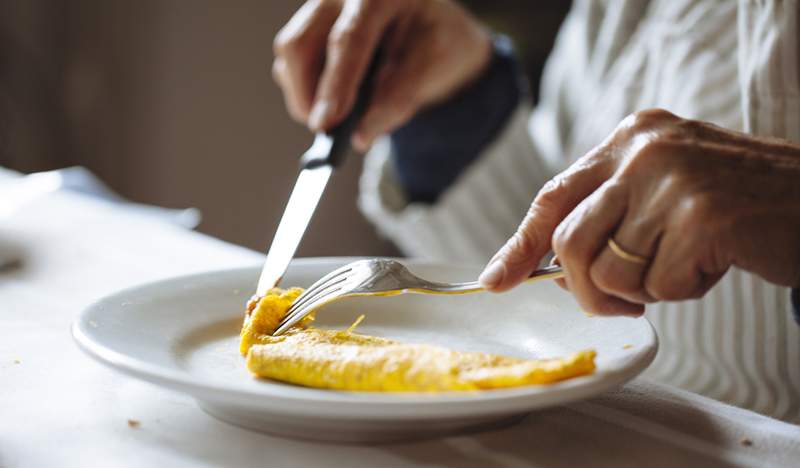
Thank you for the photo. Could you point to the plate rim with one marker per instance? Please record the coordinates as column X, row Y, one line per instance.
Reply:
column 281, row 395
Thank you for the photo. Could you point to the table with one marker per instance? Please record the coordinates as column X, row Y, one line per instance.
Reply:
column 59, row 408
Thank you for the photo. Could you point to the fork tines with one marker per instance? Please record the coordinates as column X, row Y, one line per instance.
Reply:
column 313, row 297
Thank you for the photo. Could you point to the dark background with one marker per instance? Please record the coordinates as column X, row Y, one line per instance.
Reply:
column 171, row 102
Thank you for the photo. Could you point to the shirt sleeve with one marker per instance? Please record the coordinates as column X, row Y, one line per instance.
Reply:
column 769, row 75
column 435, row 147
column 481, row 207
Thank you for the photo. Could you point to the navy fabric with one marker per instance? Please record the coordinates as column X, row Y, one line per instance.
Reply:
column 435, row 147
column 796, row 304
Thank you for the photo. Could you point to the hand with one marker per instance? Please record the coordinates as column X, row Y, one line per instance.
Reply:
column 431, row 49
column 689, row 198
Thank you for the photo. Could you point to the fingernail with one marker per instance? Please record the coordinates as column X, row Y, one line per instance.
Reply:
column 492, row 275
column 319, row 114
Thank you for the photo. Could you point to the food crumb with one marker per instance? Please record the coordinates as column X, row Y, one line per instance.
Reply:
column 746, row 442
column 133, row 423
column 17, row 361
column 627, row 346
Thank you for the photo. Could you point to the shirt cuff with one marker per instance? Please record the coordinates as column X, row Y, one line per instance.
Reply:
column 435, row 147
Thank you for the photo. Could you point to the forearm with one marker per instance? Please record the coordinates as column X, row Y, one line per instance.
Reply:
column 439, row 143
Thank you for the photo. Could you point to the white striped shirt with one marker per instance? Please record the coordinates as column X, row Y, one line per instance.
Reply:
column 731, row 63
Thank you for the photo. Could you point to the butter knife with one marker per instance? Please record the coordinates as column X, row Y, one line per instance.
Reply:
column 317, row 164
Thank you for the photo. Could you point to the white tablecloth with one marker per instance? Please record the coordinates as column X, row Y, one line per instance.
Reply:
column 59, row 408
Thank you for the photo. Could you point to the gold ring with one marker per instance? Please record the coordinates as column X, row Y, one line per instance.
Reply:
column 621, row 253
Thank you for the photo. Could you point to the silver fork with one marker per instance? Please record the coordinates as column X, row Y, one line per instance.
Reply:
column 378, row 277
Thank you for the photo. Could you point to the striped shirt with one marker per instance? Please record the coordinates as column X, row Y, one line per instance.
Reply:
column 730, row 63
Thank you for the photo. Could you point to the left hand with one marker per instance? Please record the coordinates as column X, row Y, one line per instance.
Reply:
column 686, row 198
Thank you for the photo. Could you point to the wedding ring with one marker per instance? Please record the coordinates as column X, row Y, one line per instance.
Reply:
column 623, row 254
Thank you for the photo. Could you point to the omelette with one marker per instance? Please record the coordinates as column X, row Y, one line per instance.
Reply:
column 346, row 360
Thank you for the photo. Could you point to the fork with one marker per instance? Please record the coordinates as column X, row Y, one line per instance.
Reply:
column 378, row 277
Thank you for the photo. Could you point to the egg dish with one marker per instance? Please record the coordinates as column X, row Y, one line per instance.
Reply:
column 346, row 360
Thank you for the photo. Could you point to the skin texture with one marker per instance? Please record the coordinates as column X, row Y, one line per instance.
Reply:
column 691, row 197
column 321, row 55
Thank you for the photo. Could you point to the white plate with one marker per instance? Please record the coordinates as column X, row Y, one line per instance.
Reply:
column 182, row 333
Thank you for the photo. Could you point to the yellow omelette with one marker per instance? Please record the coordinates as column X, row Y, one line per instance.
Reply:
column 345, row 360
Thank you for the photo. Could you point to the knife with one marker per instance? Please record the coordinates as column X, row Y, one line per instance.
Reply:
column 317, row 164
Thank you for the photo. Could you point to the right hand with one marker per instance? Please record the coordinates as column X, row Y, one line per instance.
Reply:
column 430, row 50
column 686, row 197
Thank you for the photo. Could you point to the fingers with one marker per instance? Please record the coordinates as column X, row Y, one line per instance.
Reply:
column 580, row 238
column 620, row 277
column 561, row 282
column 299, row 49
column 297, row 89
column 522, row 253
column 677, row 271
column 395, row 98
column 351, row 46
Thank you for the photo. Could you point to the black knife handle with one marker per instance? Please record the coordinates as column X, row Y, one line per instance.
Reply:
column 342, row 133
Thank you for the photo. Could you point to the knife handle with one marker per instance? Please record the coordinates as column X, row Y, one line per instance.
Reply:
column 341, row 134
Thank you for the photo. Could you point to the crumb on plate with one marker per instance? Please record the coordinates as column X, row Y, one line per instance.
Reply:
column 134, row 423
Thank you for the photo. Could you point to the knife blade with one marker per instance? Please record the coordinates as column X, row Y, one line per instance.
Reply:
column 302, row 203
column 317, row 164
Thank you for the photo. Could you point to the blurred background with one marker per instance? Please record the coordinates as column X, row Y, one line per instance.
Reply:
column 171, row 102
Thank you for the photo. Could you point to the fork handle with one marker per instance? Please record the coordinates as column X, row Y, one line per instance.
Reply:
column 550, row 272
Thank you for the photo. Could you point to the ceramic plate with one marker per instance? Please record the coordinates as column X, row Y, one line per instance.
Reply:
column 182, row 333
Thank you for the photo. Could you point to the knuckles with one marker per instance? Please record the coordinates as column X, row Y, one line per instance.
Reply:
column 290, row 43
column 552, row 193
column 657, row 141
column 522, row 246
column 568, row 242
column 704, row 218
column 292, row 40
column 608, row 279
column 696, row 209
column 648, row 119
column 357, row 30
column 678, row 284
column 664, row 289
column 602, row 305
column 351, row 35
